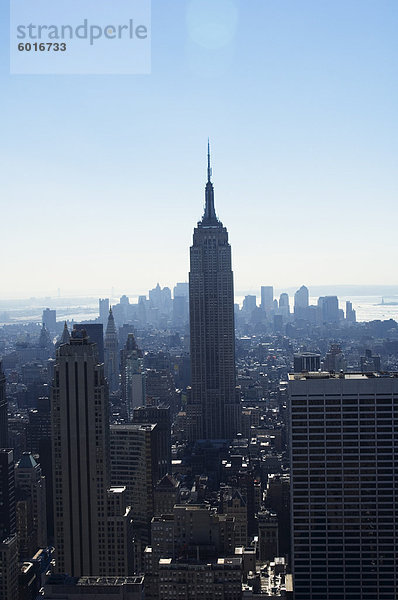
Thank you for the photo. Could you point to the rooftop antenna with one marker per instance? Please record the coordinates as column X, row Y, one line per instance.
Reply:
column 209, row 170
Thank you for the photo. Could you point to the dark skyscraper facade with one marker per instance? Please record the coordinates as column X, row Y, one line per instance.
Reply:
column 344, row 464
column 213, row 410
column 92, row 522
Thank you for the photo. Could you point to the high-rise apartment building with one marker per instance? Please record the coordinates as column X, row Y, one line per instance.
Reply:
column 84, row 506
column 3, row 411
column 344, row 464
column 214, row 409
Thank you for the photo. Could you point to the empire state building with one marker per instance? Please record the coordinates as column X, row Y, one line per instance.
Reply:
column 214, row 406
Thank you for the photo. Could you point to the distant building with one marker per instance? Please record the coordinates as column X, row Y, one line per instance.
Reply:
column 284, row 305
column 181, row 289
column 45, row 341
column 267, row 298
column 329, row 307
column 301, row 302
column 334, row 360
column 249, row 304
column 103, row 310
column 350, row 313
column 307, row 361
column 180, row 311
column 49, row 319
column 95, row 332
column 370, row 362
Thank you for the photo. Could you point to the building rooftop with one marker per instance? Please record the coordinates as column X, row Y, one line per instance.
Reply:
column 87, row 580
column 307, row 375
column 134, row 427
column 117, row 489
column 27, row 461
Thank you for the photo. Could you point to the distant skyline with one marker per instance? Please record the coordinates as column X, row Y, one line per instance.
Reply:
column 102, row 177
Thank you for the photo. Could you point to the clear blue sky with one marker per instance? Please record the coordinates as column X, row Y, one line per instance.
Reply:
column 102, row 177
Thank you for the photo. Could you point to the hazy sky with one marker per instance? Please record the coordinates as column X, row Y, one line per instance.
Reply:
column 102, row 177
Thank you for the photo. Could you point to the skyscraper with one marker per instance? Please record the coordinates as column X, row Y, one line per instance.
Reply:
column 7, row 494
column 95, row 333
column 3, row 411
column 29, row 479
column 86, row 510
column 135, row 465
column 344, row 462
column 301, row 302
column 214, row 409
column 103, row 310
column 132, row 375
column 267, row 297
column 49, row 319
column 111, row 352
column 350, row 313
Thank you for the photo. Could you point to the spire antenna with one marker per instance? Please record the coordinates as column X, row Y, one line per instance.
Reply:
column 209, row 217
column 209, row 170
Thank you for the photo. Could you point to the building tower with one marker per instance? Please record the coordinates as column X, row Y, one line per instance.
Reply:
column 8, row 535
column 267, row 297
column 214, row 408
column 29, row 479
column 7, row 493
column 89, row 535
column 301, row 302
column 49, row 319
column 344, row 461
column 103, row 304
column 111, row 352
column 3, row 411
column 132, row 375
column 350, row 313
